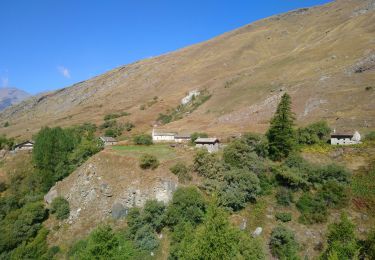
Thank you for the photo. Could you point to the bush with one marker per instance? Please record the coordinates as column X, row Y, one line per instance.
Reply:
column 368, row 249
column 283, row 244
column 153, row 214
column 143, row 139
column 330, row 172
column 207, row 165
column 291, row 177
column 145, row 238
column 313, row 209
column 284, row 196
column 187, row 205
column 60, row 207
column 341, row 240
column 3, row 186
column 314, row 133
column 334, row 194
column 181, row 171
column 148, row 161
column 240, row 186
column 370, row 136
column 283, row 216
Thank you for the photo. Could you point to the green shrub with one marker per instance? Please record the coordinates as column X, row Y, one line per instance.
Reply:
column 153, row 214
column 6, row 124
column 370, row 136
column 145, row 238
column 3, row 186
column 143, row 139
column 368, row 248
column 291, row 177
column 341, row 240
column 331, row 172
column 142, row 107
column 187, row 205
column 207, row 164
column 240, row 186
column 283, row 244
column 313, row 209
column 283, row 216
column 314, row 133
column 334, row 194
column 181, row 171
column 148, row 161
column 284, row 196
column 60, row 207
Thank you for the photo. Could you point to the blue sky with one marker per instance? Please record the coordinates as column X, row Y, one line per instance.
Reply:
column 50, row 44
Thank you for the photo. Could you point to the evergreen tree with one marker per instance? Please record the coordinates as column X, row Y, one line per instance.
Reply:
column 281, row 134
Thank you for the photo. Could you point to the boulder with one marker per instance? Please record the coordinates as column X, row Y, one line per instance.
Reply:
column 51, row 195
column 119, row 211
column 257, row 232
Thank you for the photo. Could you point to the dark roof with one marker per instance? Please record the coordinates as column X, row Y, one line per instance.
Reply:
column 164, row 134
column 207, row 140
column 23, row 143
column 341, row 135
column 108, row 139
column 182, row 137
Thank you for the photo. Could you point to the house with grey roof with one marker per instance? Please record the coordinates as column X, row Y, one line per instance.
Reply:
column 211, row 144
column 107, row 140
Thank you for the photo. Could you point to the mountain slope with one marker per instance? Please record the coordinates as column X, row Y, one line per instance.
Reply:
column 323, row 56
column 11, row 96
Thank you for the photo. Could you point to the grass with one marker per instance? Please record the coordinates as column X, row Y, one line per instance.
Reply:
column 162, row 151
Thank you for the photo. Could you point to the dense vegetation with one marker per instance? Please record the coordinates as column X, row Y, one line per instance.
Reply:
column 57, row 152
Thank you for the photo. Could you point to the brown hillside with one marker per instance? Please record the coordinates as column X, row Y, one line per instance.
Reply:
column 323, row 56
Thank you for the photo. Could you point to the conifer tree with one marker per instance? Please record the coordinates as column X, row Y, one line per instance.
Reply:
column 280, row 135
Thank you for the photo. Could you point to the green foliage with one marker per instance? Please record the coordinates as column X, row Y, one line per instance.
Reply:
column 115, row 129
column 181, row 171
column 315, row 133
column 142, row 107
column 331, row 172
column 115, row 115
column 143, row 139
column 280, row 135
column 283, row 216
column 207, row 165
column 153, row 214
column 194, row 136
column 313, row 209
column 368, row 248
column 148, row 161
column 6, row 124
column 21, row 225
column 291, row 177
column 217, row 239
column 341, row 240
column 6, row 143
column 363, row 189
column 187, row 205
column 145, row 238
column 246, row 152
column 334, row 194
column 35, row 249
column 103, row 243
column 370, row 136
column 283, row 244
column 284, row 196
column 60, row 207
column 240, row 186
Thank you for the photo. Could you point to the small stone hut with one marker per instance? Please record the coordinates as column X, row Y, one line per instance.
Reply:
column 345, row 138
column 24, row 146
column 211, row 144
column 107, row 140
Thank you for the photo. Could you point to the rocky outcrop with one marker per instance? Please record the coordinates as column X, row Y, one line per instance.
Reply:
column 108, row 185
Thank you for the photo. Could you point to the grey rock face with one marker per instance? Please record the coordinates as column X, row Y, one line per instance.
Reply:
column 52, row 194
column 257, row 232
column 119, row 211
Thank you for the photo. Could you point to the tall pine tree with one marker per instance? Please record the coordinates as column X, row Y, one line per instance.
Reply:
column 280, row 135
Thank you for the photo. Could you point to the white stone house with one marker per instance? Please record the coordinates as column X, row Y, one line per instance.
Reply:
column 162, row 137
column 345, row 138
column 24, row 146
column 107, row 140
column 211, row 144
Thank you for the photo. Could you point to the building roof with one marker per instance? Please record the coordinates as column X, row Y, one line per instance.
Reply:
column 182, row 137
column 108, row 139
column 164, row 134
column 341, row 135
column 23, row 143
column 207, row 140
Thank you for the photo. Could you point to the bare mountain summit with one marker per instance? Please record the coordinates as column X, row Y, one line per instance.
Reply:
column 322, row 56
column 11, row 96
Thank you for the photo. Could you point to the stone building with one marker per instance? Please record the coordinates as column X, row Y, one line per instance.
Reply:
column 158, row 137
column 345, row 138
column 107, row 140
column 211, row 144
column 24, row 146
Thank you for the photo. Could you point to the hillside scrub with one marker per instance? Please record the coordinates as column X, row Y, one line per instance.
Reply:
column 283, row 244
column 60, row 207
column 194, row 136
column 148, row 161
column 181, row 171
column 143, row 139
column 6, row 143
column 318, row 132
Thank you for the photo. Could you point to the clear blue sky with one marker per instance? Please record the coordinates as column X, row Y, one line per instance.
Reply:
column 50, row 44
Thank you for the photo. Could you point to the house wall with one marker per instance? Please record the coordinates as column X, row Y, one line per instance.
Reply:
column 211, row 148
column 163, row 138
column 343, row 141
column 182, row 140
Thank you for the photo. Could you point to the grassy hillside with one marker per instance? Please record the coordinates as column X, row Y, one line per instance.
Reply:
column 322, row 56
